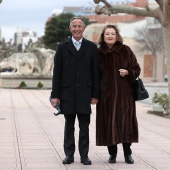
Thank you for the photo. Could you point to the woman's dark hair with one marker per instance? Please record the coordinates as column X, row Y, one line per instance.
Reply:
column 118, row 36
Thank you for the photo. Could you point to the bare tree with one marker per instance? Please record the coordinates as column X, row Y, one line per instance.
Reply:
column 9, row 48
column 151, row 40
column 161, row 13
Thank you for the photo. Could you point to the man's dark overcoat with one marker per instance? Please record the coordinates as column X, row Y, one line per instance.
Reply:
column 116, row 120
column 76, row 76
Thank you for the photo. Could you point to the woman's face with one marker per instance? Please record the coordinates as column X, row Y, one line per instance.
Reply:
column 110, row 36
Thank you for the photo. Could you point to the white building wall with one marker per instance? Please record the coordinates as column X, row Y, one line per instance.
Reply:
column 128, row 30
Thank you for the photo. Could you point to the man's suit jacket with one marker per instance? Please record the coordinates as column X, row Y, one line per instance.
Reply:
column 76, row 76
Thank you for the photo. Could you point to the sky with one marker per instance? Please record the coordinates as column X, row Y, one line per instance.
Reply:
column 33, row 14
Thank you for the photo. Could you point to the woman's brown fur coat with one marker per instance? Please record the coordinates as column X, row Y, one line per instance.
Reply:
column 116, row 120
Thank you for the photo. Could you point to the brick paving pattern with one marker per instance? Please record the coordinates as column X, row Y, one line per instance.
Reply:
column 31, row 137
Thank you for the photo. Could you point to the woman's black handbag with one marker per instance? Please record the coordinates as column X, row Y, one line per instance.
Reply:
column 140, row 93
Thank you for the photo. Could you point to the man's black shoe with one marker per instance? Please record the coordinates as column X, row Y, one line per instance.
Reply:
column 129, row 159
column 68, row 160
column 85, row 161
column 112, row 159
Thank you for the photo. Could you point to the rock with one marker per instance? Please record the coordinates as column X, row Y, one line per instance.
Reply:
column 21, row 63
column 39, row 60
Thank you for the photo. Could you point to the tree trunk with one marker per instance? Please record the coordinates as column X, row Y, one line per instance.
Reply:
column 154, row 68
column 166, row 38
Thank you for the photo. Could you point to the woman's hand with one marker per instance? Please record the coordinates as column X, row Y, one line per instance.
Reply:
column 123, row 72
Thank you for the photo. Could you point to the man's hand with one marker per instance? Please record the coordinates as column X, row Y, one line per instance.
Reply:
column 54, row 101
column 94, row 101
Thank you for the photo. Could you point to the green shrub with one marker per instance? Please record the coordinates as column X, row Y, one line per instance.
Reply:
column 40, row 85
column 163, row 100
column 22, row 85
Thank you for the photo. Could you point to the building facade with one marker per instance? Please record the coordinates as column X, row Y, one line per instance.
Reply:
column 22, row 37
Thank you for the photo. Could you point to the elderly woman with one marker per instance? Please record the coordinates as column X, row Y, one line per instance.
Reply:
column 116, row 120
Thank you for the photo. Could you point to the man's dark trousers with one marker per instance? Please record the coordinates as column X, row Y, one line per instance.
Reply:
column 69, row 140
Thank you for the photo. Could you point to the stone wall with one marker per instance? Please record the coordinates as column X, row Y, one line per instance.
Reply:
column 30, row 81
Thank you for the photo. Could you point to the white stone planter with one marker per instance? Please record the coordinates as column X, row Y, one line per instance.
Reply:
column 157, row 108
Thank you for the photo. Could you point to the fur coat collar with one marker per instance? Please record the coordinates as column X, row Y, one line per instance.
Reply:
column 105, row 50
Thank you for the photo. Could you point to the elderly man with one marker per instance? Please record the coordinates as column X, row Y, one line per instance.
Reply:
column 76, row 86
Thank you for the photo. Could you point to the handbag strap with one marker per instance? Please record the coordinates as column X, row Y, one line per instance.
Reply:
column 141, row 82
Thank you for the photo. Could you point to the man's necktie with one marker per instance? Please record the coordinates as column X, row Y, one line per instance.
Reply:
column 77, row 45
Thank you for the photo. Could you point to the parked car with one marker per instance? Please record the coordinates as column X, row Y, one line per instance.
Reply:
column 166, row 77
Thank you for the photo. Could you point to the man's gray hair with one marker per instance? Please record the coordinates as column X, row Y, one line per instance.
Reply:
column 77, row 18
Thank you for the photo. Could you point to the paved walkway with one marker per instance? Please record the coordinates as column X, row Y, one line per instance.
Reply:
column 31, row 137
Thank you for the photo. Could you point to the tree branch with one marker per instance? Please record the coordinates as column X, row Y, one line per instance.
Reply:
column 114, row 9
column 104, row 1
column 160, row 3
column 102, row 10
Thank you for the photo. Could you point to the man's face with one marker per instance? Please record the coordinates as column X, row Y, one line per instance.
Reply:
column 77, row 28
